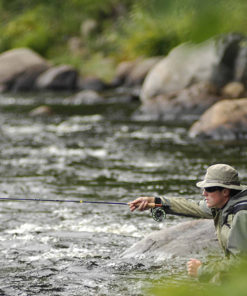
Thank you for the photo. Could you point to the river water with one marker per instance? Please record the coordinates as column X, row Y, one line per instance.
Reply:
column 97, row 152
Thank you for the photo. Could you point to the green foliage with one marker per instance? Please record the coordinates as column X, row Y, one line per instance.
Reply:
column 125, row 29
column 234, row 284
column 27, row 30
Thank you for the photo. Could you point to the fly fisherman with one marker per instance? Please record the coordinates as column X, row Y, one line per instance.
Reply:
column 225, row 201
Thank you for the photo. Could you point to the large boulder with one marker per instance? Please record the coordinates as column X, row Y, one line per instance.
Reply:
column 14, row 63
column 226, row 119
column 185, row 65
column 177, row 241
column 63, row 77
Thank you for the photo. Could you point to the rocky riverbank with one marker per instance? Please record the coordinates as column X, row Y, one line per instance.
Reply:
column 206, row 81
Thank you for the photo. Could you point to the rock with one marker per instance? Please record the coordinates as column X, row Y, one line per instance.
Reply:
column 228, row 47
column 192, row 100
column 26, row 80
column 17, row 61
column 61, row 77
column 86, row 97
column 226, row 119
column 233, row 90
column 185, row 65
column 122, row 72
column 139, row 72
column 92, row 83
column 177, row 241
column 240, row 68
column 41, row 111
column 88, row 27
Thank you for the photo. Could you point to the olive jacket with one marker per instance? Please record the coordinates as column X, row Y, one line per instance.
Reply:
column 231, row 228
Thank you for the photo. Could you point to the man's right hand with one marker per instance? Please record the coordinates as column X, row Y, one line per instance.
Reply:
column 142, row 203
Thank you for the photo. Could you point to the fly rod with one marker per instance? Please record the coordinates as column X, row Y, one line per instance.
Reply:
column 63, row 200
column 158, row 213
column 72, row 201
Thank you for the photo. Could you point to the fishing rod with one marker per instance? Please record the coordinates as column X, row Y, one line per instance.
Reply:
column 63, row 200
column 157, row 212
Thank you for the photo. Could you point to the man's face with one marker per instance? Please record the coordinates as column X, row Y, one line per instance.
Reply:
column 216, row 199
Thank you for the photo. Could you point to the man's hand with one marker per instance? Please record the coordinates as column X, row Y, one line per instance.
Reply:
column 142, row 203
column 192, row 267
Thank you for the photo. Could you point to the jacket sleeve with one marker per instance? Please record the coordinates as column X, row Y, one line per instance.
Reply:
column 186, row 207
column 237, row 241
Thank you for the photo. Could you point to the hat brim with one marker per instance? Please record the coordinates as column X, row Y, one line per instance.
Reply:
column 204, row 184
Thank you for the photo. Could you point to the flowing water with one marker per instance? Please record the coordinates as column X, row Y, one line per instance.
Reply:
column 95, row 153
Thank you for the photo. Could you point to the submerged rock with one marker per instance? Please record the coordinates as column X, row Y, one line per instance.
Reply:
column 41, row 111
column 86, row 97
column 184, row 239
column 226, row 119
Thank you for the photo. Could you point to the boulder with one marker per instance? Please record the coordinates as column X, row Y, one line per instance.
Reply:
column 193, row 100
column 63, row 77
column 140, row 70
column 185, row 65
column 92, row 83
column 240, row 68
column 123, row 71
column 177, row 241
column 233, row 90
column 26, row 80
column 15, row 62
column 226, row 119
column 228, row 47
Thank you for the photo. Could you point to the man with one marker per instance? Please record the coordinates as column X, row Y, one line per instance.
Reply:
column 225, row 201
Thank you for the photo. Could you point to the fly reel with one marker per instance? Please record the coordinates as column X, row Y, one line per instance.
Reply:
column 158, row 214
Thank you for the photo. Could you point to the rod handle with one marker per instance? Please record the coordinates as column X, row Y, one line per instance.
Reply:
column 154, row 205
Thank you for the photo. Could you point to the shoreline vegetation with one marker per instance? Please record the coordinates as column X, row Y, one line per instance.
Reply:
column 95, row 36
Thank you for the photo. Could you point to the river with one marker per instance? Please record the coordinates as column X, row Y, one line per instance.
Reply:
column 97, row 152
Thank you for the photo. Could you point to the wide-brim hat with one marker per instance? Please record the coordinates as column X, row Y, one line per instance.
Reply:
column 221, row 175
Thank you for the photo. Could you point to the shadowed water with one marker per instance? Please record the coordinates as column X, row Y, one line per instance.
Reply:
column 94, row 153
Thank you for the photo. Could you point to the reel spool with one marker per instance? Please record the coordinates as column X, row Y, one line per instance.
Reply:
column 158, row 214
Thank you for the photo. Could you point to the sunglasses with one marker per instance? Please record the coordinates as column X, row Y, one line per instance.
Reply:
column 213, row 189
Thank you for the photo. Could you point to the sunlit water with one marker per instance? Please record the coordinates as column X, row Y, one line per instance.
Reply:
column 94, row 153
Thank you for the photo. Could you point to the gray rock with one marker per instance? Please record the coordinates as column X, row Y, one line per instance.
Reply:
column 140, row 71
column 228, row 47
column 123, row 71
column 184, row 239
column 17, row 61
column 63, row 77
column 185, row 65
column 226, row 119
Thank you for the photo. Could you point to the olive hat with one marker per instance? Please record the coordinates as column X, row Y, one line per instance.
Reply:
column 221, row 175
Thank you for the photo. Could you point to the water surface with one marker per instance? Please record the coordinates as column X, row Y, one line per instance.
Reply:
column 95, row 153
